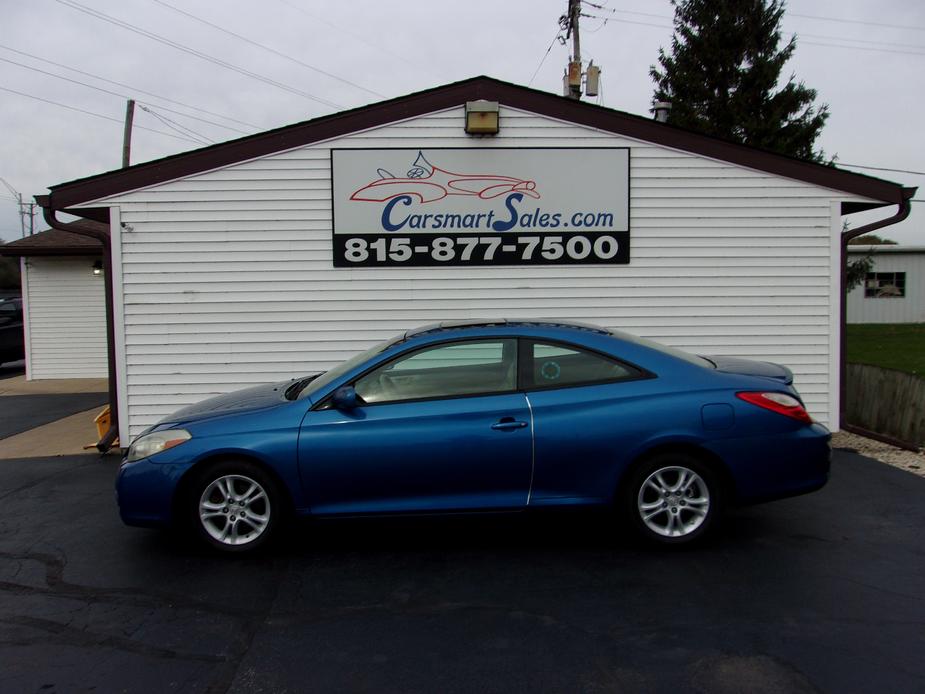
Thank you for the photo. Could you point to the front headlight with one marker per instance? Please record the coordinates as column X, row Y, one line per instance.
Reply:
column 155, row 442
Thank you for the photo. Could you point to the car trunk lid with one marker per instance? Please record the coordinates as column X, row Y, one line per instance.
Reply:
column 750, row 367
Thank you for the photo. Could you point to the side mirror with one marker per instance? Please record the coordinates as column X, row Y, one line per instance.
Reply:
column 345, row 398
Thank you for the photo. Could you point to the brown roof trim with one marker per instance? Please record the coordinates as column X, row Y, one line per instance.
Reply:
column 32, row 252
column 93, row 214
column 53, row 242
column 456, row 94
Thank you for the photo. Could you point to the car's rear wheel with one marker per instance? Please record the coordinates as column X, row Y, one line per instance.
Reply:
column 234, row 506
column 673, row 499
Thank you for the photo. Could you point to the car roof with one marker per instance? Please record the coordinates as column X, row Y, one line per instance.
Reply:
column 475, row 323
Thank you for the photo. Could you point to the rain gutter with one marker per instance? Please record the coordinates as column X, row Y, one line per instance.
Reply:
column 91, row 229
column 905, row 206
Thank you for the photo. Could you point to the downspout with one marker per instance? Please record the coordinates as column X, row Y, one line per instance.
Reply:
column 86, row 229
column 904, row 208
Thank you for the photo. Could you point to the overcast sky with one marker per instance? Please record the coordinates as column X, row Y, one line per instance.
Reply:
column 864, row 57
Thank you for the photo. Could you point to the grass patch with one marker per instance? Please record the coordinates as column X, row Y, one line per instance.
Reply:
column 890, row 345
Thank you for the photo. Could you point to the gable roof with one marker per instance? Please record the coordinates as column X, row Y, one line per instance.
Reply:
column 308, row 132
column 54, row 242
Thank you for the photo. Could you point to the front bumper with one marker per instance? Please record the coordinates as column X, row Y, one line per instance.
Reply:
column 145, row 492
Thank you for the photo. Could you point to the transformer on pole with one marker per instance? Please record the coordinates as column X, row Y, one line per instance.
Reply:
column 573, row 77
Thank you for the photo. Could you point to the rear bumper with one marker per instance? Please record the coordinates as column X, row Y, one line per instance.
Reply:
column 777, row 466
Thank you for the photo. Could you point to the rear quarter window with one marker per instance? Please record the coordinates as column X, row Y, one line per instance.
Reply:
column 550, row 365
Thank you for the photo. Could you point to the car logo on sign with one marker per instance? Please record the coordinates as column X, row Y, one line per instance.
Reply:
column 429, row 183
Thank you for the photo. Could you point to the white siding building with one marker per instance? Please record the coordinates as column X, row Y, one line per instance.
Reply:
column 64, row 312
column 224, row 272
column 894, row 290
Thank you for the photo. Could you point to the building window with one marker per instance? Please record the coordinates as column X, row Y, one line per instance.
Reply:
column 885, row 285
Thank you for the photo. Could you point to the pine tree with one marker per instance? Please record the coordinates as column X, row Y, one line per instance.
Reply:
column 722, row 75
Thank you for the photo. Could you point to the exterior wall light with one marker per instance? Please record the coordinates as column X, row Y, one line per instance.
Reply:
column 482, row 117
column 97, row 268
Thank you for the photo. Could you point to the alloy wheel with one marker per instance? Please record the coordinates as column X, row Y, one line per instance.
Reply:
column 673, row 501
column 234, row 510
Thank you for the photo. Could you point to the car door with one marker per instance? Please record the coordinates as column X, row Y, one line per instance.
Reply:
column 440, row 428
column 587, row 409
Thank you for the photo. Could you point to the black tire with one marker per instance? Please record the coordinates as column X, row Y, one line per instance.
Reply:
column 234, row 506
column 673, row 516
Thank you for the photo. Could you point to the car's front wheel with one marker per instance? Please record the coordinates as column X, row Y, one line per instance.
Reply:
column 673, row 499
column 234, row 506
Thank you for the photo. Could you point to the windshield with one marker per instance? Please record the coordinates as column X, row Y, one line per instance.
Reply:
column 329, row 376
column 665, row 349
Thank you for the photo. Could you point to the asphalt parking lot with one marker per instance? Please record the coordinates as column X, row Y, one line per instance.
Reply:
column 820, row 593
column 25, row 412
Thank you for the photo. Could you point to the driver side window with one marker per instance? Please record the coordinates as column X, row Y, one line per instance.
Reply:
column 471, row 367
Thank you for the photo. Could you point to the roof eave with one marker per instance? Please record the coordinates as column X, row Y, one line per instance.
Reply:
column 33, row 251
column 440, row 98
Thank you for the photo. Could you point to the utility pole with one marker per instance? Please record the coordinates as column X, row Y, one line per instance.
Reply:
column 22, row 208
column 574, row 13
column 30, row 214
column 127, row 133
column 572, row 86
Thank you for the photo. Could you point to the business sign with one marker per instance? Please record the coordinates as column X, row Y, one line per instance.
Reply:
column 491, row 206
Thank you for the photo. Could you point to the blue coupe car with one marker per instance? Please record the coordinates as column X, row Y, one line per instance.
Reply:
column 483, row 416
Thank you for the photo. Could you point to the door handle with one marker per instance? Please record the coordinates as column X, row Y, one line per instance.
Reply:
column 508, row 424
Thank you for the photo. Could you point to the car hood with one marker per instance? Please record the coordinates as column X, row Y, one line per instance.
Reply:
column 254, row 398
column 749, row 367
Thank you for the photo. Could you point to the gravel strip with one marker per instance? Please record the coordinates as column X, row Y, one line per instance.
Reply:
column 910, row 461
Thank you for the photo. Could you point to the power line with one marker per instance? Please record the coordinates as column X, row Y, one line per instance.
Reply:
column 598, row 27
column 800, row 41
column 201, row 120
column 626, row 21
column 918, row 46
column 856, row 21
column 267, row 48
column 192, row 51
column 786, row 14
column 177, row 127
column 613, row 11
column 61, row 77
column 356, row 36
column 545, row 55
column 136, row 89
column 121, row 96
column 881, row 168
column 98, row 115
column 860, row 48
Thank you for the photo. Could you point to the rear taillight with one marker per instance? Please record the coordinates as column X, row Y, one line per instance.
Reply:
column 781, row 403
